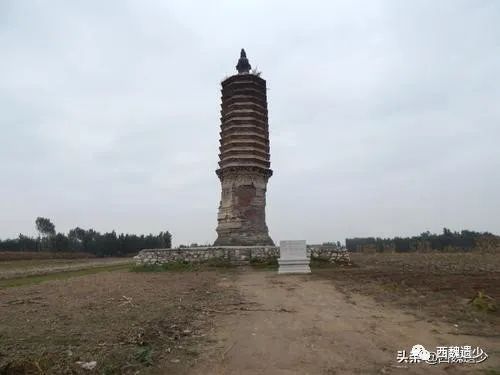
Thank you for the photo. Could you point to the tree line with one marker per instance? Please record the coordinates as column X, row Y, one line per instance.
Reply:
column 464, row 240
column 85, row 240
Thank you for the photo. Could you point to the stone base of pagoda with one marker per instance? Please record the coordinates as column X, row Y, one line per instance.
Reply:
column 242, row 218
column 243, row 239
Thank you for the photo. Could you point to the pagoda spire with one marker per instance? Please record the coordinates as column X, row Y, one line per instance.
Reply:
column 243, row 65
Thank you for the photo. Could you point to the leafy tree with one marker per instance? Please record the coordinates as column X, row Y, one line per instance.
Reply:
column 47, row 230
column 26, row 243
column 61, row 242
column 464, row 240
column 77, row 234
column 45, row 227
column 165, row 239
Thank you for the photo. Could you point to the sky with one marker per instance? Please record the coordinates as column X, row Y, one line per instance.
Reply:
column 384, row 116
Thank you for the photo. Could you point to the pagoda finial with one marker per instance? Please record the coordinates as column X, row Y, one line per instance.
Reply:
column 243, row 64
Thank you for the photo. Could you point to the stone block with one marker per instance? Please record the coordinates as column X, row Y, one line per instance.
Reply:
column 293, row 257
column 293, row 266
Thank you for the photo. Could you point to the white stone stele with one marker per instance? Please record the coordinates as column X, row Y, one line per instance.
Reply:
column 293, row 257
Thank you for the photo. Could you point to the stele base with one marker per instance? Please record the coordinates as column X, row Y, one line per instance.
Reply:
column 293, row 266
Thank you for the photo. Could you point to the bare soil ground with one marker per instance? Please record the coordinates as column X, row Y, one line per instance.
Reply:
column 432, row 286
column 338, row 320
column 354, row 320
column 125, row 321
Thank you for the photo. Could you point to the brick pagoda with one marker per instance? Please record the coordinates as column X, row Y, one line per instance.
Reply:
column 244, row 166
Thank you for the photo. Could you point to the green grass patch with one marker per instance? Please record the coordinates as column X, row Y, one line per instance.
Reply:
column 219, row 263
column 182, row 266
column 172, row 266
column 269, row 263
column 59, row 275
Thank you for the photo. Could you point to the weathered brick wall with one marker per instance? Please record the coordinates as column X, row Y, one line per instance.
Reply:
column 233, row 254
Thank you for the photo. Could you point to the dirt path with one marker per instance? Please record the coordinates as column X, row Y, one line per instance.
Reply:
column 301, row 324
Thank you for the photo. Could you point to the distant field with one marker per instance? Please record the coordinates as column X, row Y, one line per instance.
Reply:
column 28, row 255
column 16, row 269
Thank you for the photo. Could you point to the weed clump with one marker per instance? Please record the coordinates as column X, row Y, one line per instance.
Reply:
column 144, row 355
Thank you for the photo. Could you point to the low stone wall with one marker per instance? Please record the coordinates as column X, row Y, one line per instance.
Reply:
column 238, row 255
column 329, row 254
